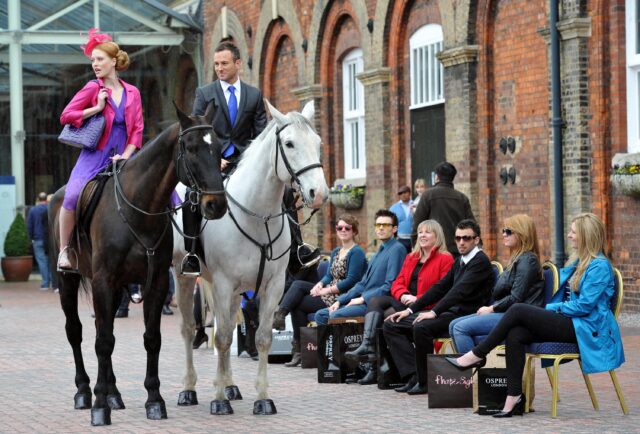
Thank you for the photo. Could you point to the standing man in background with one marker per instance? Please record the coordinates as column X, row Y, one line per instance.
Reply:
column 238, row 117
column 444, row 204
column 37, row 226
column 403, row 210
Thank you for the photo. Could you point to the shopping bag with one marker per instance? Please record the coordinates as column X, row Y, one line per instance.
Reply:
column 448, row 386
column 388, row 375
column 333, row 341
column 492, row 390
column 309, row 347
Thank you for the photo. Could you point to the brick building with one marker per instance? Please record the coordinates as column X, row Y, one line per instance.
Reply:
column 400, row 85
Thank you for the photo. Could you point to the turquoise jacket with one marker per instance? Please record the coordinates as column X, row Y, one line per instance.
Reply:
column 596, row 328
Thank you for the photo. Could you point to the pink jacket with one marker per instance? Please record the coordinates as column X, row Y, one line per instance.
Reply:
column 88, row 97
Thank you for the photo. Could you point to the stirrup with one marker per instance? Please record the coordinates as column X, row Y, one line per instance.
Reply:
column 308, row 255
column 185, row 262
column 70, row 268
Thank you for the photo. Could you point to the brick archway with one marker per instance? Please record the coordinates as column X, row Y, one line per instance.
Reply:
column 279, row 67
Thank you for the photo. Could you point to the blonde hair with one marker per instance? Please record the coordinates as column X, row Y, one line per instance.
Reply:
column 419, row 183
column 432, row 226
column 591, row 243
column 113, row 50
column 527, row 237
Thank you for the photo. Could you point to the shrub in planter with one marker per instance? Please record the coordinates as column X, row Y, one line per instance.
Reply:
column 17, row 241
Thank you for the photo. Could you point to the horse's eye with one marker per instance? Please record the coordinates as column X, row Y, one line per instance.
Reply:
column 289, row 145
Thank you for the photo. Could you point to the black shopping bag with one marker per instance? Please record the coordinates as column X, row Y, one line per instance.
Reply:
column 492, row 390
column 448, row 386
column 333, row 341
column 388, row 376
column 309, row 347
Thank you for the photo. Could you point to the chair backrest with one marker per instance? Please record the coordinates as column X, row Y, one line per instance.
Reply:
column 551, row 280
column 618, row 293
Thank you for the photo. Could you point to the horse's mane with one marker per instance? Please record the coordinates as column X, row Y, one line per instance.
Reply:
column 171, row 129
column 295, row 119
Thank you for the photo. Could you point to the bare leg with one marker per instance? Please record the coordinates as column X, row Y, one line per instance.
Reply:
column 67, row 220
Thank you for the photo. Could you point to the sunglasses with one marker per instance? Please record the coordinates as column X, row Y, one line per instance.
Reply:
column 343, row 228
column 506, row 231
column 382, row 225
column 464, row 237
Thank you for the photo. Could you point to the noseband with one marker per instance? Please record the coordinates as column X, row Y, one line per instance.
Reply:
column 196, row 192
column 294, row 175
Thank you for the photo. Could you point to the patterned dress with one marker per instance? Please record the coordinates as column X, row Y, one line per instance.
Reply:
column 338, row 272
column 90, row 163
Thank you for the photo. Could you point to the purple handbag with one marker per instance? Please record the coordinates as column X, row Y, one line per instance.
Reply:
column 85, row 137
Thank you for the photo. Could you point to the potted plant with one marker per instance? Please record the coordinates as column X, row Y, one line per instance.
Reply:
column 626, row 174
column 18, row 262
column 347, row 196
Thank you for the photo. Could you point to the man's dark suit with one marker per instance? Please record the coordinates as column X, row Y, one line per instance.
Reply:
column 250, row 121
column 460, row 292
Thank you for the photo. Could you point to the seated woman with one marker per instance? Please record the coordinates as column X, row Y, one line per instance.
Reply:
column 346, row 267
column 579, row 312
column 428, row 263
column 521, row 282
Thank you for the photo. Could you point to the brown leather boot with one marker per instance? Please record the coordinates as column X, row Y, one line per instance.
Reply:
column 296, row 360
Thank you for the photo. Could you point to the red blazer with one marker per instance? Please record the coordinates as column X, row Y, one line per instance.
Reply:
column 435, row 268
column 88, row 97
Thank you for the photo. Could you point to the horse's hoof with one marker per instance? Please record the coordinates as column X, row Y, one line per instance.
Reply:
column 156, row 410
column 188, row 397
column 264, row 406
column 232, row 393
column 115, row 402
column 100, row 416
column 221, row 407
column 82, row 401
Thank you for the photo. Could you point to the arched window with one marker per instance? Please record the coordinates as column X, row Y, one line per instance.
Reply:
column 427, row 86
column 353, row 115
column 633, row 75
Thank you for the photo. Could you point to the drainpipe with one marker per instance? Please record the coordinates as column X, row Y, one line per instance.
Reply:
column 556, row 124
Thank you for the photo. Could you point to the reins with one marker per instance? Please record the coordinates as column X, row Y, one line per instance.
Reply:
column 266, row 249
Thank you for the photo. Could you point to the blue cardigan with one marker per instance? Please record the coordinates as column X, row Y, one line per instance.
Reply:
column 381, row 272
column 596, row 328
column 356, row 265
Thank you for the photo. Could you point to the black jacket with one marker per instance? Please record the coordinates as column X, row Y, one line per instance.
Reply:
column 445, row 205
column 250, row 121
column 521, row 283
column 463, row 290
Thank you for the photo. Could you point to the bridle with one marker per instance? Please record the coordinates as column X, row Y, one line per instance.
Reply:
column 266, row 249
column 193, row 199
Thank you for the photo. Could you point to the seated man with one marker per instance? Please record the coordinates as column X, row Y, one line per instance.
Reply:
column 381, row 272
column 465, row 288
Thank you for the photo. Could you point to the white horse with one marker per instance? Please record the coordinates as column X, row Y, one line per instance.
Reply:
column 287, row 151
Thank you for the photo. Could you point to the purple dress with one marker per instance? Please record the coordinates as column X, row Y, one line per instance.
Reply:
column 90, row 163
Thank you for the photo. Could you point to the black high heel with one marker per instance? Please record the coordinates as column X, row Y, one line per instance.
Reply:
column 475, row 366
column 517, row 410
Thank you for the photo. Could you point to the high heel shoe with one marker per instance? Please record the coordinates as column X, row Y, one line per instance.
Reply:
column 517, row 410
column 475, row 366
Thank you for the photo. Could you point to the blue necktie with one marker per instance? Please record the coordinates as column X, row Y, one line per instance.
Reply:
column 233, row 112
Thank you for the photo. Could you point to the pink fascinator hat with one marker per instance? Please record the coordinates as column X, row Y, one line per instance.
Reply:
column 93, row 40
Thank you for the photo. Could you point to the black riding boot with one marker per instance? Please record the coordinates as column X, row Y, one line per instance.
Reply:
column 297, row 357
column 372, row 375
column 279, row 319
column 191, row 225
column 367, row 349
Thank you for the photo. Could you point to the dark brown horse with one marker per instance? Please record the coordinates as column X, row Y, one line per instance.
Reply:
column 130, row 241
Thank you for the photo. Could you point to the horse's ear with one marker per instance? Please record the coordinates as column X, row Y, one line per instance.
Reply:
column 182, row 117
column 208, row 115
column 309, row 110
column 275, row 114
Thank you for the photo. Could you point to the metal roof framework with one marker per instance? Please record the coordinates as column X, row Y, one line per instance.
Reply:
column 42, row 34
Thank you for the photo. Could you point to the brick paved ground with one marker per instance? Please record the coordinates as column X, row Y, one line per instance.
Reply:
column 36, row 386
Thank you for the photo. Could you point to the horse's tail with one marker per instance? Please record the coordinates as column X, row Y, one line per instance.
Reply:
column 85, row 284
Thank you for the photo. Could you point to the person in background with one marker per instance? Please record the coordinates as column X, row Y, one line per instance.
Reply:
column 419, row 187
column 38, row 229
column 403, row 210
column 579, row 312
column 521, row 282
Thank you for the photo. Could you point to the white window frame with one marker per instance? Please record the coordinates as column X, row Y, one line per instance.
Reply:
column 425, row 70
column 353, row 115
column 633, row 76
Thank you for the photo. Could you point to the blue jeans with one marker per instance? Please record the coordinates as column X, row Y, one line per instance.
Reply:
column 43, row 262
column 464, row 329
column 323, row 316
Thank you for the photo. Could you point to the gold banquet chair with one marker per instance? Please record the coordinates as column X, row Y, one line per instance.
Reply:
column 558, row 352
column 448, row 342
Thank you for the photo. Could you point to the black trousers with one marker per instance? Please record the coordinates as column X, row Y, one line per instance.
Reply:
column 385, row 304
column 400, row 336
column 524, row 324
column 298, row 301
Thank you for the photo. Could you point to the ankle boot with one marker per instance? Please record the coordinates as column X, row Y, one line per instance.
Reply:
column 367, row 349
column 372, row 375
column 296, row 359
column 279, row 319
